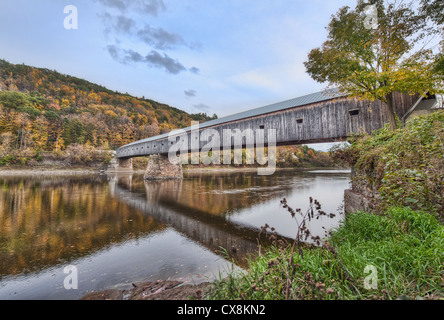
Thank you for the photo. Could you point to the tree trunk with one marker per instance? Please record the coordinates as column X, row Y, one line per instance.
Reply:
column 391, row 111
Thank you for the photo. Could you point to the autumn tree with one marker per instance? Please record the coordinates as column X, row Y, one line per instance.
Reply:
column 434, row 10
column 6, row 142
column 370, row 54
column 149, row 130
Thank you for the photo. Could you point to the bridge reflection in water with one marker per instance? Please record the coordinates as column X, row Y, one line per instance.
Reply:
column 224, row 212
column 166, row 202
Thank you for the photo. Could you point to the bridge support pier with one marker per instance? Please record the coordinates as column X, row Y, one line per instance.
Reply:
column 126, row 164
column 160, row 168
column 120, row 165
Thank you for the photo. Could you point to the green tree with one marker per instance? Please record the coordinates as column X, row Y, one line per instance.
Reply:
column 373, row 60
column 433, row 9
column 20, row 102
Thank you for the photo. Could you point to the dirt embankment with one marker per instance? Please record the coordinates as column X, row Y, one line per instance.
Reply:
column 160, row 290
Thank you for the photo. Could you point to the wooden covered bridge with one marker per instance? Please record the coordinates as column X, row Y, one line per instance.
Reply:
column 326, row 116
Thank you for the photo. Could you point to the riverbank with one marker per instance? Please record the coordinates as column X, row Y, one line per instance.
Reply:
column 248, row 169
column 47, row 171
column 160, row 290
column 57, row 170
column 397, row 255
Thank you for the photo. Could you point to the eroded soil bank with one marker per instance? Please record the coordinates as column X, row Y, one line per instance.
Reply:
column 159, row 290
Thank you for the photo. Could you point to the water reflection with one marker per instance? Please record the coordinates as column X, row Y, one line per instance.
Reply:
column 47, row 221
column 120, row 229
column 162, row 202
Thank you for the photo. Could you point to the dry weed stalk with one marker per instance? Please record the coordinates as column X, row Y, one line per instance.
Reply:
column 314, row 211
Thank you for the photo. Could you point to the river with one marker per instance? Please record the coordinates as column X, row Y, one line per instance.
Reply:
column 114, row 230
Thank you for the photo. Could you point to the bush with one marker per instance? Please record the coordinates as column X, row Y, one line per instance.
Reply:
column 76, row 154
column 9, row 159
column 20, row 157
column 140, row 163
column 406, row 166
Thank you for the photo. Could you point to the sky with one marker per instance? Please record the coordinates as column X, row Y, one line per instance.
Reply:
column 220, row 57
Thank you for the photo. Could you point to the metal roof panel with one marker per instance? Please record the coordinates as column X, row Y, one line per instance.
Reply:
column 292, row 103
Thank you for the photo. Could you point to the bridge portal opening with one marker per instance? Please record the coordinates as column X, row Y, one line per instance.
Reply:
column 300, row 121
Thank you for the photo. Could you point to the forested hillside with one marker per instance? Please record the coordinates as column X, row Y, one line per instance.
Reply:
column 44, row 110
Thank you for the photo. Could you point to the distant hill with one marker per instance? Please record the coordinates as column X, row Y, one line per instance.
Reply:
column 44, row 110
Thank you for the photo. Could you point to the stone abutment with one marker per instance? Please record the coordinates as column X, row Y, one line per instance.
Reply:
column 160, row 168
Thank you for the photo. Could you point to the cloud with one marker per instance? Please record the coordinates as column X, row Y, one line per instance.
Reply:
column 162, row 39
column 125, row 24
column 190, row 93
column 202, row 107
column 158, row 60
column 113, row 52
column 151, row 7
column 153, row 59
column 124, row 56
column 194, row 70
column 122, row 5
column 159, row 38
column 120, row 24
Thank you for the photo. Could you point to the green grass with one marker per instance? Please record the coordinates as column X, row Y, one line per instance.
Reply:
column 406, row 247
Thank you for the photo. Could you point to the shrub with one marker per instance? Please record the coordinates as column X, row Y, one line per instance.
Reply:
column 405, row 166
column 76, row 154
column 140, row 163
column 19, row 157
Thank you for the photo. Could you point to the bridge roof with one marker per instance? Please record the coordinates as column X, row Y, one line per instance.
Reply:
column 292, row 103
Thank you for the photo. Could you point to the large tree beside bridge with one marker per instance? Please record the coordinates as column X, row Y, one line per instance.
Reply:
column 379, row 48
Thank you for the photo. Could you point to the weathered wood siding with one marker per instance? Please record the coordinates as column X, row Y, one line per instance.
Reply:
column 326, row 121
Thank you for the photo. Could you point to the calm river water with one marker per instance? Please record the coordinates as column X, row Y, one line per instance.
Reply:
column 119, row 229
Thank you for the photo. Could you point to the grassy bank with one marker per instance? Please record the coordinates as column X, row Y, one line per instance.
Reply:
column 403, row 251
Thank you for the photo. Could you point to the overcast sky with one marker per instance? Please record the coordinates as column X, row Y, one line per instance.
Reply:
column 208, row 56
